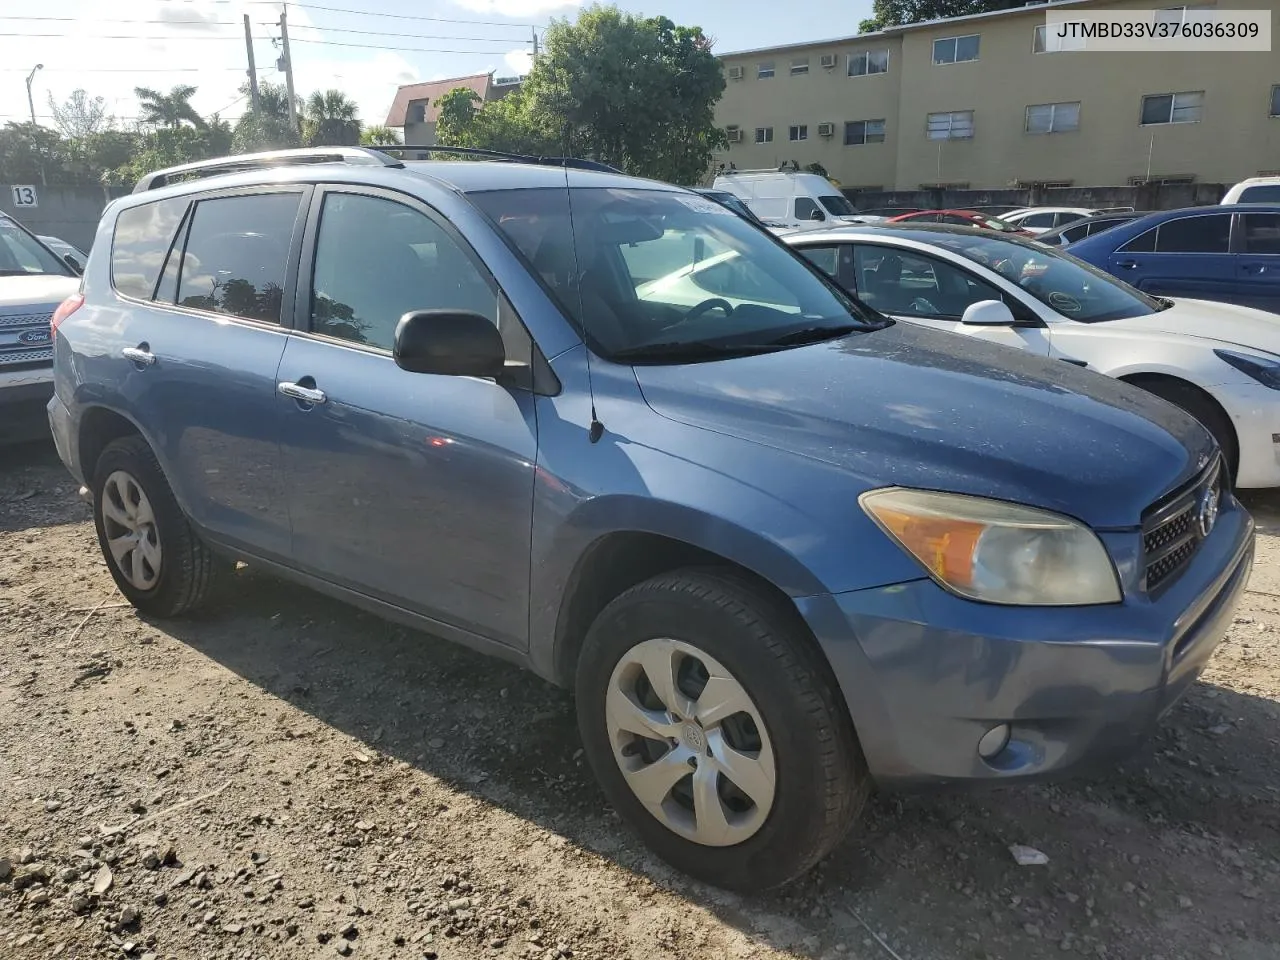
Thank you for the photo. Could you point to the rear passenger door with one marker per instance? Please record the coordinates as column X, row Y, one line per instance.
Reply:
column 204, row 283
column 412, row 488
column 1258, row 264
column 1185, row 257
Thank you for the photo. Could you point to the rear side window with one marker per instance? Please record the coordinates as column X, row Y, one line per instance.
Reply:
column 236, row 254
column 1211, row 234
column 140, row 244
column 1262, row 233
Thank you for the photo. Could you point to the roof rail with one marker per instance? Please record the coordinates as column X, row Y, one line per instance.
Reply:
column 577, row 163
column 272, row 158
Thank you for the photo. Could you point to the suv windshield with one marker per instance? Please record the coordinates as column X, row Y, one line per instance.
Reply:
column 1069, row 286
column 837, row 205
column 662, row 276
column 21, row 254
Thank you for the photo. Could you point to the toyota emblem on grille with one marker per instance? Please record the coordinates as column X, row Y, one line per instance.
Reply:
column 1207, row 514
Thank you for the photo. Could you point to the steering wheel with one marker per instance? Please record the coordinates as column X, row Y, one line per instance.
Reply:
column 706, row 305
column 921, row 305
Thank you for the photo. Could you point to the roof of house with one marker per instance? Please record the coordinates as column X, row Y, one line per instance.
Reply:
column 432, row 91
column 1032, row 7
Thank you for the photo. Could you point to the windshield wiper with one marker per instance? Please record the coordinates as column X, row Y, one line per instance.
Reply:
column 805, row 335
column 676, row 351
column 1165, row 302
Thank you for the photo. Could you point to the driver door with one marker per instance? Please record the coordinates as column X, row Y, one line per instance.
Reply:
column 919, row 288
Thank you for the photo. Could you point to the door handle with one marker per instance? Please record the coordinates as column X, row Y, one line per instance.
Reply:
column 1127, row 264
column 139, row 354
column 297, row 391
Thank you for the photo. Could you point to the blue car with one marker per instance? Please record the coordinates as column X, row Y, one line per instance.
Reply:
column 783, row 549
column 1227, row 253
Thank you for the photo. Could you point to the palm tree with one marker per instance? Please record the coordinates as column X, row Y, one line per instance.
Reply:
column 332, row 119
column 170, row 109
column 379, row 137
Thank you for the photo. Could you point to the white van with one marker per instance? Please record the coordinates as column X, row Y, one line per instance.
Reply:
column 784, row 198
column 1254, row 190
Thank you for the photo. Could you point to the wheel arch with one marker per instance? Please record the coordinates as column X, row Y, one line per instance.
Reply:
column 98, row 427
column 1151, row 381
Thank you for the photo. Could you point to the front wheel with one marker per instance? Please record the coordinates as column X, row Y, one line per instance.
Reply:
column 715, row 729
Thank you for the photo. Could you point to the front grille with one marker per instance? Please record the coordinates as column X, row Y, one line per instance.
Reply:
column 11, row 358
column 1171, row 528
column 25, row 319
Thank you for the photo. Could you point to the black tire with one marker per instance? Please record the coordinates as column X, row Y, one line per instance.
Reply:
column 1204, row 408
column 821, row 777
column 187, row 567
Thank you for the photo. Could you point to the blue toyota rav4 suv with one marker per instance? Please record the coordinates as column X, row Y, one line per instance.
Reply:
column 781, row 548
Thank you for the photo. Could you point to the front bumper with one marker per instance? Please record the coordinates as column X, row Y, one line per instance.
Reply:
column 1255, row 414
column 927, row 674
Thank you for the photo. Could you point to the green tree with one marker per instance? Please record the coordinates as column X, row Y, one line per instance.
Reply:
column 379, row 136
column 268, row 127
column 331, row 119
column 638, row 93
column 171, row 109
column 79, row 116
column 30, row 153
column 895, row 13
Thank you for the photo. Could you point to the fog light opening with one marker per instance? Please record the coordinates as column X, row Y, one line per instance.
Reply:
column 993, row 741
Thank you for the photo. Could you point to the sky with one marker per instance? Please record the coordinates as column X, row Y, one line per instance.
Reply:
column 366, row 48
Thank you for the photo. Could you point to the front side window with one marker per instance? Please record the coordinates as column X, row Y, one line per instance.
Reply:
column 956, row 125
column 1053, row 117
column 799, row 132
column 806, row 208
column 764, row 70
column 23, row 255
column 764, row 134
column 1262, row 233
column 800, row 67
column 404, row 261
column 1067, row 285
column 140, row 243
column 955, row 49
column 236, row 254
column 868, row 62
column 910, row 284
column 1208, row 234
column 859, row 132
column 1173, row 107
column 667, row 277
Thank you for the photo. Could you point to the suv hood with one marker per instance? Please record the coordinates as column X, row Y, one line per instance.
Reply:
column 915, row 407
column 1210, row 320
column 36, row 290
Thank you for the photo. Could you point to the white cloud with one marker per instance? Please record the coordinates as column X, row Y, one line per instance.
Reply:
column 518, row 61
column 517, row 8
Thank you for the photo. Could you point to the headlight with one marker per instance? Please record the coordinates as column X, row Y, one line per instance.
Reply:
column 1265, row 370
column 994, row 551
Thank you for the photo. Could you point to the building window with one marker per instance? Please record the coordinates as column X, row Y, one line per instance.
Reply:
column 1181, row 13
column 764, row 134
column 1042, row 184
column 1172, row 107
column 417, row 113
column 765, row 70
column 799, row 132
column 1162, row 181
column 1053, row 117
column 868, row 62
column 800, row 67
column 955, row 49
column 1275, row 101
column 858, row 132
column 956, row 125
column 1045, row 41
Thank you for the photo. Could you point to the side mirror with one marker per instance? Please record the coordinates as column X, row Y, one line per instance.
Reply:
column 988, row 313
column 73, row 263
column 817, row 215
column 453, row 343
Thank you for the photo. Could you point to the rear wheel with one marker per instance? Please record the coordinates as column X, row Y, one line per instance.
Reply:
column 154, row 556
column 716, row 731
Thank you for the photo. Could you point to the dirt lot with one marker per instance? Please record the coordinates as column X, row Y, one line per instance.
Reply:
column 285, row 777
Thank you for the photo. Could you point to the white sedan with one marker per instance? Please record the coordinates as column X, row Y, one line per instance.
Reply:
column 1043, row 219
column 1218, row 361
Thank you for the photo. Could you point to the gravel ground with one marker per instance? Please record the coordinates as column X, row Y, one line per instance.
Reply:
column 285, row 777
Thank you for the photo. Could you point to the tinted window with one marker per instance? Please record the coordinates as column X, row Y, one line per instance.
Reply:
column 236, row 254
column 1143, row 243
column 20, row 253
column 1262, row 233
column 906, row 283
column 826, row 259
column 1195, row 235
column 1037, row 220
column 140, row 244
column 377, row 260
column 805, row 208
column 1265, row 193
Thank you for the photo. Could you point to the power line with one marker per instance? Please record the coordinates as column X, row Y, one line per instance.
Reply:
column 261, row 23
column 379, row 46
column 132, row 69
column 173, row 23
column 121, row 36
column 394, row 33
column 404, row 16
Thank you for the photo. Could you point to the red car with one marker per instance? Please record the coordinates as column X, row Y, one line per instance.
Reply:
column 962, row 218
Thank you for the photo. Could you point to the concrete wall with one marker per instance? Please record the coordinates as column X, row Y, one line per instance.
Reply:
column 1235, row 138
column 1169, row 196
column 69, row 213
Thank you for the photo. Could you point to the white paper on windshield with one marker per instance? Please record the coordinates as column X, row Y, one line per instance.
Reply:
column 703, row 205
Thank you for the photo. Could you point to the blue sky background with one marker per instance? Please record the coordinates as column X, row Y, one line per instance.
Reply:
column 364, row 47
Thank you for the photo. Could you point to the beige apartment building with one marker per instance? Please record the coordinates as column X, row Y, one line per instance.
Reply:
column 989, row 101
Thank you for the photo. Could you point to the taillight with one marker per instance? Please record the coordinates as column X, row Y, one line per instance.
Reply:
column 65, row 309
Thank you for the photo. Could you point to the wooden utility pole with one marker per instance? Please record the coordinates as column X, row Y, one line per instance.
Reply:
column 288, row 68
column 253, row 70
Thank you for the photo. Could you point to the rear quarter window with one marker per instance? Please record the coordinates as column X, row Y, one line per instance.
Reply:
column 140, row 244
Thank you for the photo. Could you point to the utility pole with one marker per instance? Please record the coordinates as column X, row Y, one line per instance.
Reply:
column 253, row 70
column 288, row 67
column 534, row 31
column 30, row 102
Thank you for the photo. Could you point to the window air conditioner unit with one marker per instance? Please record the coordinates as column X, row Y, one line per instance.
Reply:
column 829, row 60
column 826, row 129
column 735, row 73
column 734, row 134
